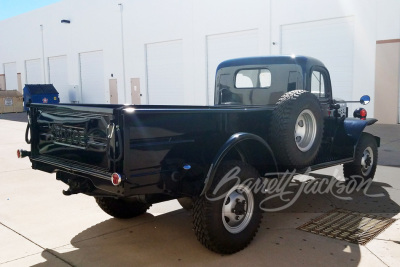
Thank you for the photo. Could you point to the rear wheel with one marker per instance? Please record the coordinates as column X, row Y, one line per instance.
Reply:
column 121, row 207
column 227, row 218
column 364, row 165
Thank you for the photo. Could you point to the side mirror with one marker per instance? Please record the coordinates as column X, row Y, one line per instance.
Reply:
column 365, row 99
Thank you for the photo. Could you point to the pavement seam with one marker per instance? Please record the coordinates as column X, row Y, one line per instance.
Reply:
column 376, row 256
column 388, row 240
column 33, row 242
column 4, row 262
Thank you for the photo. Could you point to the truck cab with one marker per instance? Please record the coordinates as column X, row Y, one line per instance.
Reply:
column 262, row 81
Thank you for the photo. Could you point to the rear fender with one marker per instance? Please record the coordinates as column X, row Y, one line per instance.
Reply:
column 237, row 141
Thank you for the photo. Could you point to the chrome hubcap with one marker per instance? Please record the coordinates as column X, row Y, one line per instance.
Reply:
column 367, row 161
column 237, row 209
column 305, row 130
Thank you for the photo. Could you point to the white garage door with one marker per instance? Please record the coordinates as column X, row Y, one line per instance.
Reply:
column 10, row 71
column 58, row 76
column 33, row 71
column 92, row 77
column 227, row 46
column 330, row 41
column 165, row 73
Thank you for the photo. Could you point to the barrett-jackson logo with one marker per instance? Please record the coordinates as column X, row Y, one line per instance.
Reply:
column 69, row 135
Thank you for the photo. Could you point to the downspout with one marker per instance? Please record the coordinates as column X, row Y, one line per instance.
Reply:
column 123, row 50
column 43, row 59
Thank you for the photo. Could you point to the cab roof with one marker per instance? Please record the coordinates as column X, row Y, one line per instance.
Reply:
column 303, row 61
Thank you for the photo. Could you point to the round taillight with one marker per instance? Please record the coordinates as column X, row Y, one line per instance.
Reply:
column 360, row 113
column 115, row 178
column 363, row 113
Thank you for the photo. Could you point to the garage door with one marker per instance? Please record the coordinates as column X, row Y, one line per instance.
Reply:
column 58, row 76
column 10, row 71
column 330, row 41
column 165, row 73
column 227, row 46
column 33, row 71
column 92, row 77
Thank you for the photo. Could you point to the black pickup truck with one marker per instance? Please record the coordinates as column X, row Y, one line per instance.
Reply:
column 271, row 114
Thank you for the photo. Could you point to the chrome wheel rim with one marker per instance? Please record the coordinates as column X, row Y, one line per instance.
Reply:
column 237, row 209
column 367, row 161
column 305, row 130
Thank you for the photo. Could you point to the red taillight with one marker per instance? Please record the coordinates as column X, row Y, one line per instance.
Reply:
column 363, row 113
column 19, row 153
column 115, row 178
column 360, row 113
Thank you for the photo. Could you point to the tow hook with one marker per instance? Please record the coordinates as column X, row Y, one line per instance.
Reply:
column 23, row 153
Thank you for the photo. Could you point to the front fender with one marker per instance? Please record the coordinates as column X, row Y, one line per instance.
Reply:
column 354, row 127
column 232, row 142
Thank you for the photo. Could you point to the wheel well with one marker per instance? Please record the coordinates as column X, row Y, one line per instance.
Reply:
column 254, row 154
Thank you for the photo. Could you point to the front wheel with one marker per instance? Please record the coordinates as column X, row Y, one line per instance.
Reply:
column 228, row 216
column 364, row 165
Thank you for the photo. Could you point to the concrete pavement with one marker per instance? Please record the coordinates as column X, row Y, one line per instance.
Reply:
column 41, row 227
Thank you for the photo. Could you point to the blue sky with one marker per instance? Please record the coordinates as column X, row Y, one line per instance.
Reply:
column 11, row 8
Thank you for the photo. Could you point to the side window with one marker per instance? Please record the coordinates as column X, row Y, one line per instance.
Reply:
column 293, row 81
column 254, row 78
column 317, row 84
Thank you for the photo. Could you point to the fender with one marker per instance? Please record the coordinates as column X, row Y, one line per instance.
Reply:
column 354, row 127
column 233, row 141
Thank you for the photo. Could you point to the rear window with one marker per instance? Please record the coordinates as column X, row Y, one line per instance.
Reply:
column 253, row 78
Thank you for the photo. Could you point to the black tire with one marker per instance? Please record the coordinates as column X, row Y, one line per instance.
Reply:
column 122, row 208
column 186, row 203
column 363, row 167
column 214, row 230
column 294, row 108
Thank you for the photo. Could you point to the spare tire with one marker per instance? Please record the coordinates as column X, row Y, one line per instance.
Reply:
column 296, row 129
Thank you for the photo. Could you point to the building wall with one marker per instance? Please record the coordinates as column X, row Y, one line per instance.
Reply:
column 96, row 25
column 2, row 82
column 387, row 108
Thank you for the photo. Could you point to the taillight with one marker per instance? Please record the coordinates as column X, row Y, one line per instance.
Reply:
column 363, row 113
column 115, row 178
column 360, row 113
column 23, row 153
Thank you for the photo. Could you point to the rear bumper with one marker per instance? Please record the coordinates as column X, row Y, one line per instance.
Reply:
column 99, row 177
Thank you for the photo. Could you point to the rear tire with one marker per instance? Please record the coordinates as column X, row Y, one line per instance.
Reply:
column 122, row 208
column 228, row 223
column 364, row 165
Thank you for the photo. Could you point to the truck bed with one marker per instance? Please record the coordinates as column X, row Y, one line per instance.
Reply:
column 139, row 142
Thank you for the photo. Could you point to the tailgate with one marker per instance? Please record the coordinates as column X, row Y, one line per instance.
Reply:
column 73, row 138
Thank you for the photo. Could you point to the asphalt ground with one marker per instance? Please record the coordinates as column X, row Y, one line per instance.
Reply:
column 39, row 226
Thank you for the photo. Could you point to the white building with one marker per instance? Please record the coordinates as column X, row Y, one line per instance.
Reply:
column 166, row 51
